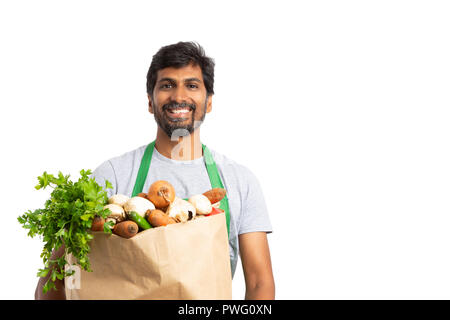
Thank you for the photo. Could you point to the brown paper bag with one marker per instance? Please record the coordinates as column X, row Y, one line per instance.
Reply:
column 180, row 261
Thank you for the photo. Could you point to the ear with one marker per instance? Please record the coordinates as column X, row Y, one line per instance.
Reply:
column 209, row 104
column 150, row 104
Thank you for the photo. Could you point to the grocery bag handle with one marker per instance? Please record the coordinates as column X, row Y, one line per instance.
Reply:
column 213, row 173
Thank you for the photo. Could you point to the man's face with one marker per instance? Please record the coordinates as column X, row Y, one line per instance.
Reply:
column 179, row 101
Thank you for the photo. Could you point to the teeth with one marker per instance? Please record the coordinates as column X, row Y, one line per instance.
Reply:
column 179, row 111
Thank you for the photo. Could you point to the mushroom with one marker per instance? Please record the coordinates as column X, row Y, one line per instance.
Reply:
column 117, row 212
column 201, row 204
column 139, row 205
column 181, row 210
column 118, row 199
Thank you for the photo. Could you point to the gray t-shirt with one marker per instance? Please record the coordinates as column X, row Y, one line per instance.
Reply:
column 248, row 211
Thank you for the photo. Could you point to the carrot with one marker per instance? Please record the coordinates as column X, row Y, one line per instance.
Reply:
column 126, row 229
column 97, row 224
column 215, row 195
column 158, row 218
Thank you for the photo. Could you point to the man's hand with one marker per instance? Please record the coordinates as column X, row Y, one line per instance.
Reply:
column 60, row 293
column 257, row 266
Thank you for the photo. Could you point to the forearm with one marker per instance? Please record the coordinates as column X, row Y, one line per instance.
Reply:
column 257, row 266
column 53, row 294
column 260, row 291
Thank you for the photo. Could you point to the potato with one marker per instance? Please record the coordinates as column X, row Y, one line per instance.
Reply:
column 215, row 195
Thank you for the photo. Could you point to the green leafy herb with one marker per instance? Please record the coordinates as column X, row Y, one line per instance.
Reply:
column 66, row 220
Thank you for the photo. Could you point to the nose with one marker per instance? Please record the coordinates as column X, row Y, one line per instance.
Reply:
column 179, row 94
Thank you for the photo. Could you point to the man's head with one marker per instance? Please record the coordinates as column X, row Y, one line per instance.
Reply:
column 180, row 85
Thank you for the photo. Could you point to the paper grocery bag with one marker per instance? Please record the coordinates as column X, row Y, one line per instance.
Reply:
column 179, row 261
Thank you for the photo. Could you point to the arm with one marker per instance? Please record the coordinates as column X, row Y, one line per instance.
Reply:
column 60, row 293
column 257, row 266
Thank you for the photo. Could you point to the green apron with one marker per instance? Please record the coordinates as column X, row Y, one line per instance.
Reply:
column 211, row 167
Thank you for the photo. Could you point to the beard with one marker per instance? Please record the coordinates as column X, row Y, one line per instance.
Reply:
column 179, row 127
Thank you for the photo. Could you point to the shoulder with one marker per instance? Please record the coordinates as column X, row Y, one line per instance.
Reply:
column 127, row 157
column 232, row 169
column 118, row 169
column 111, row 166
column 224, row 162
column 124, row 158
column 244, row 189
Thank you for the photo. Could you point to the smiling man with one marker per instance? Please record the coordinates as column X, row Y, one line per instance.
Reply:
column 180, row 87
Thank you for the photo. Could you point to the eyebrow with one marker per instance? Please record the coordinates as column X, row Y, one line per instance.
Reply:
column 192, row 79
column 185, row 80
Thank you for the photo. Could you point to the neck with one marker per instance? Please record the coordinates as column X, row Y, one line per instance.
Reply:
column 179, row 148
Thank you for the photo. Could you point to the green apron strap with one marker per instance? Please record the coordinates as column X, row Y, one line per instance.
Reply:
column 213, row 173
column 143, row 169
column 216, row 182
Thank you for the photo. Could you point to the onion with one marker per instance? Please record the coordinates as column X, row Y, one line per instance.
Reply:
column 161, row 193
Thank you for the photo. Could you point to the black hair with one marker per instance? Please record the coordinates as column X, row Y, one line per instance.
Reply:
column 179, row 55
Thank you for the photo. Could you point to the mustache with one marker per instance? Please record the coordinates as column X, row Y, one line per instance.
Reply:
column 175, row 105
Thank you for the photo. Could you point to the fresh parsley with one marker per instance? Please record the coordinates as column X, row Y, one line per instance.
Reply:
column 66, row 220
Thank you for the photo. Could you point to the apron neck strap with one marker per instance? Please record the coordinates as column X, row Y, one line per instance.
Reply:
column 143, row 169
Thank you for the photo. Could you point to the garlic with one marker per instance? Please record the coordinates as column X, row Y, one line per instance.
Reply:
column 118, row 199
column 117, row 212
column 201, row 204
column 139, row 205
column 181, row 210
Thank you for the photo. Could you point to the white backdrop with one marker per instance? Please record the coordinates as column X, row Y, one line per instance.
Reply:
column 340, row 108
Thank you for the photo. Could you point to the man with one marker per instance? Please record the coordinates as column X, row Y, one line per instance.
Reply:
column 180, row 86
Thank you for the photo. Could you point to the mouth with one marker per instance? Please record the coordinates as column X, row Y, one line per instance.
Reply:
column 179, row 113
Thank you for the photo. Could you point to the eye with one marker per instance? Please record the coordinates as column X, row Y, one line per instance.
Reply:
column 192, row 86
column 165, row 86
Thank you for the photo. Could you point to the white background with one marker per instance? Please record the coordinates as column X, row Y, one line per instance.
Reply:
column 340, row 108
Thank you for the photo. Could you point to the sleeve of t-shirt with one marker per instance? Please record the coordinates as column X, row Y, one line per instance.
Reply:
column 106, row 172
column 254, row 215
